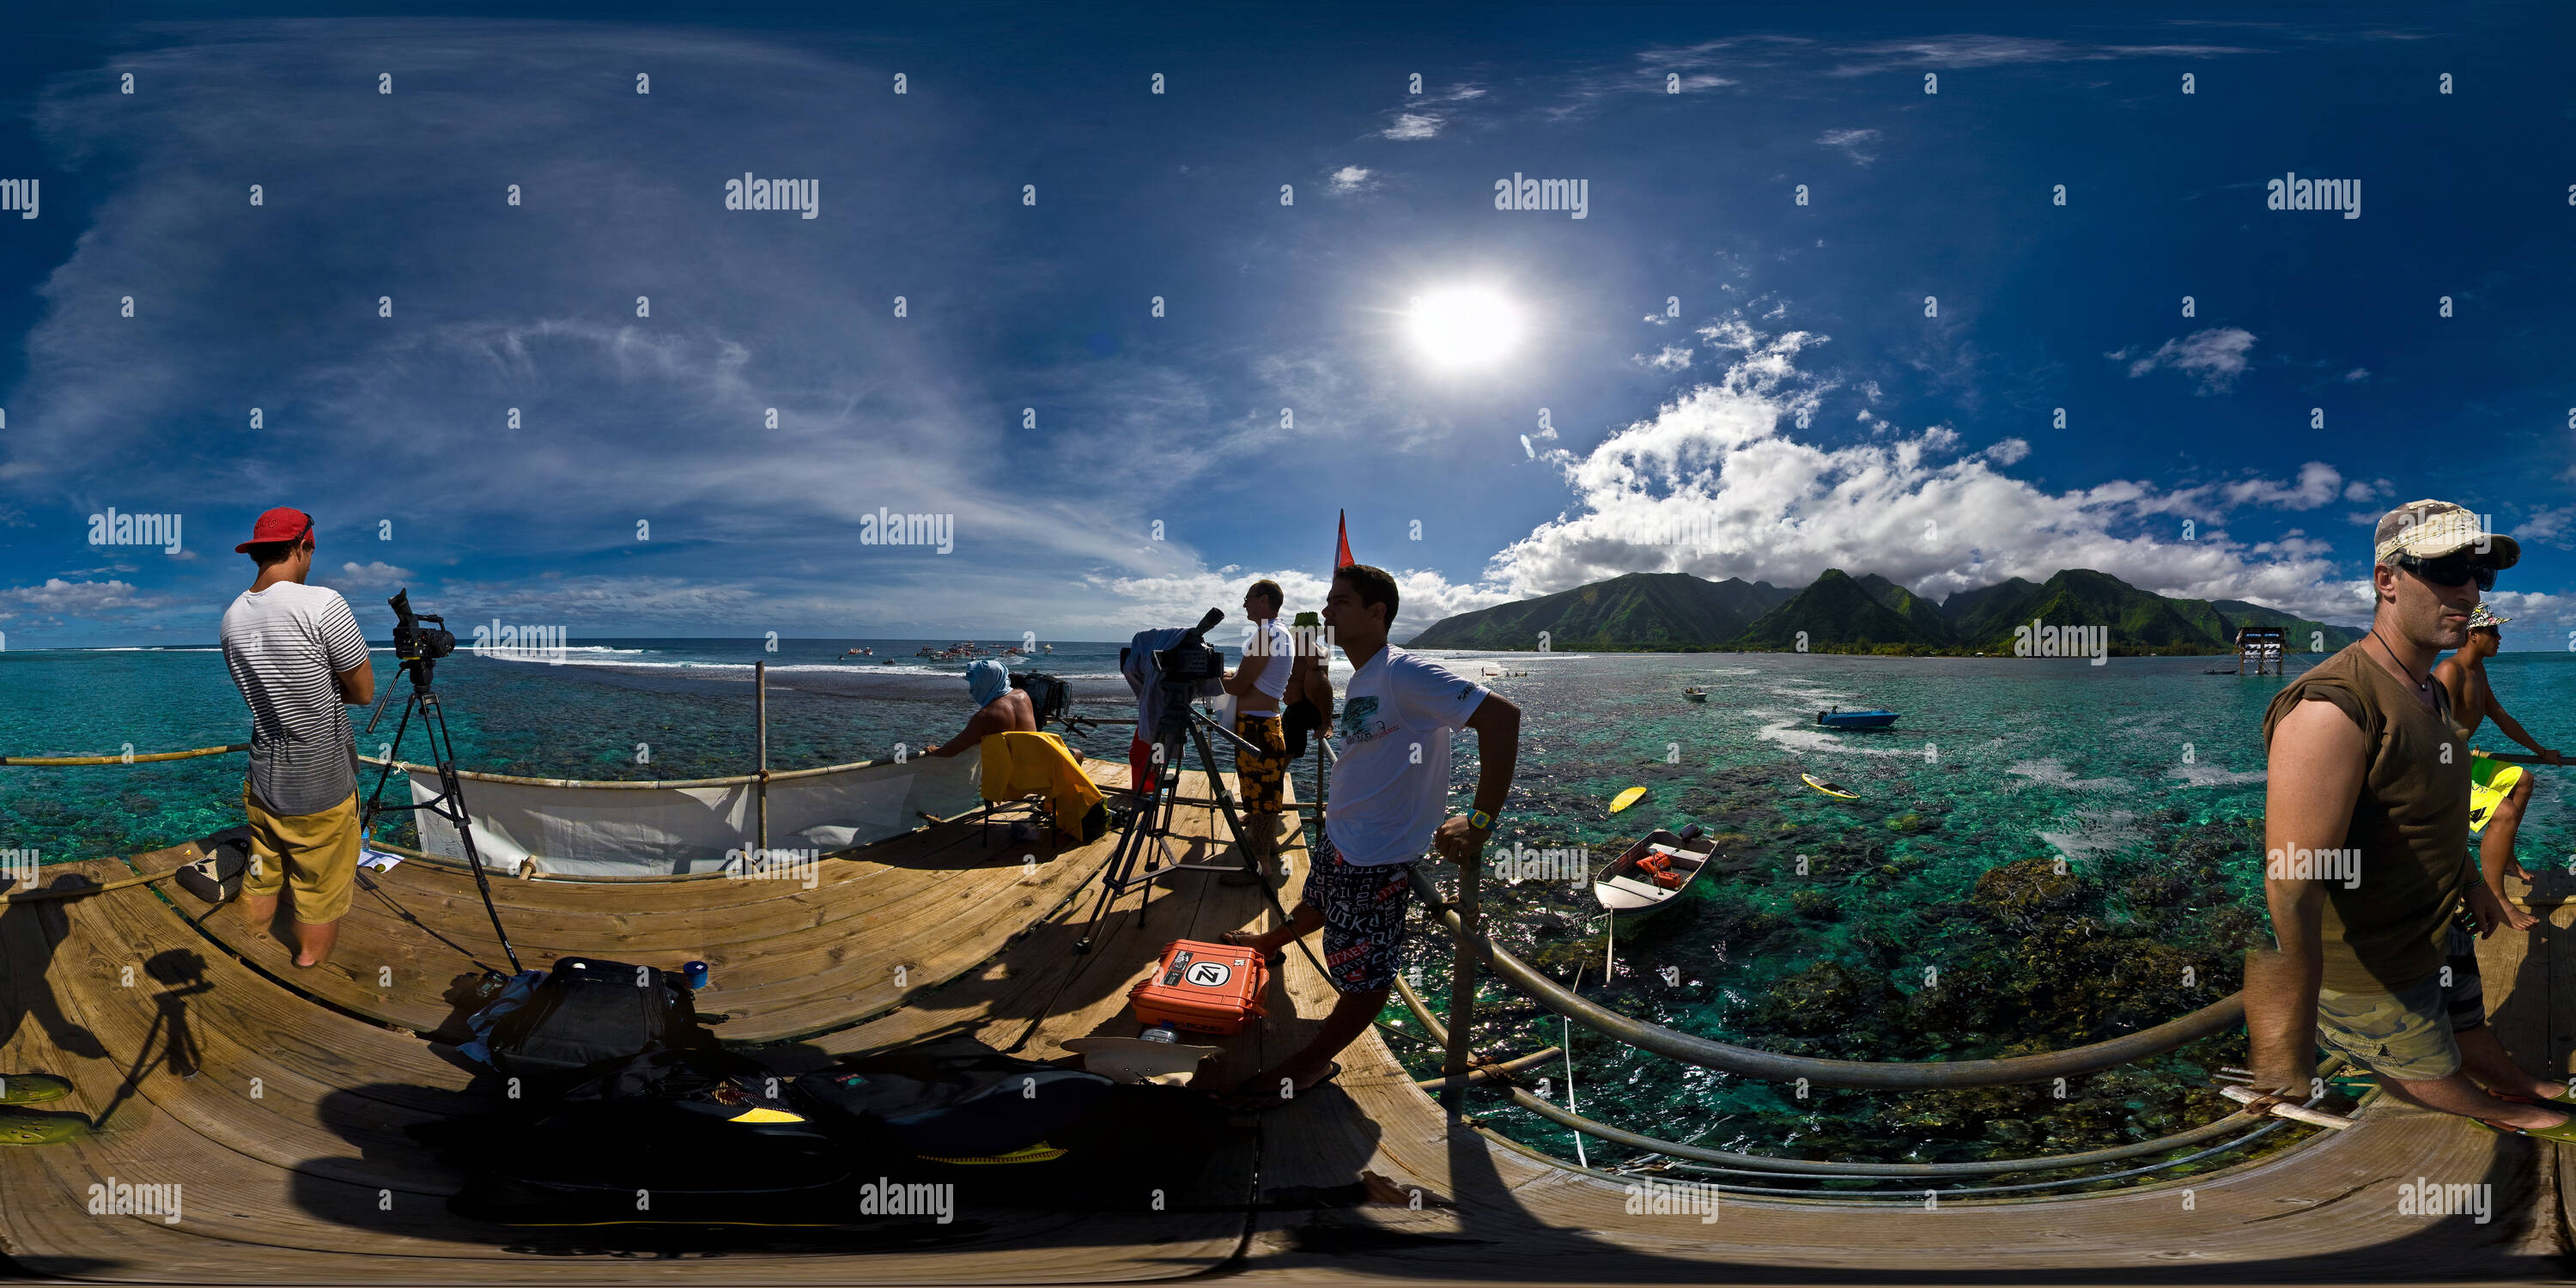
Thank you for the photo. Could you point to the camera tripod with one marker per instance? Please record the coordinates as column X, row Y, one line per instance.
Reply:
column 1146, row 831
column 449, row 803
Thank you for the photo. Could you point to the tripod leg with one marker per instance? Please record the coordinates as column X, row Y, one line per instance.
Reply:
column 451, row 806
column 1224, row 797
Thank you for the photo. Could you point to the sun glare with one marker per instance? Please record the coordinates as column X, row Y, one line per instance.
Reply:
column 1464, row 327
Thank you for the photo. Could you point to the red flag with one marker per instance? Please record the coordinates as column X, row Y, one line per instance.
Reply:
column 1342, row 557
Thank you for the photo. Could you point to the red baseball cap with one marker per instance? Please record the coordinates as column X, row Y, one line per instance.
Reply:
column 285, row 523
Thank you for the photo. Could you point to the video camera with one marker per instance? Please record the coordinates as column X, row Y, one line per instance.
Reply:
column 1191, row 659
column 417, row 645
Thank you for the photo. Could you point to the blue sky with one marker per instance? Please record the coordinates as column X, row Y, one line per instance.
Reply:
column 1673, row 337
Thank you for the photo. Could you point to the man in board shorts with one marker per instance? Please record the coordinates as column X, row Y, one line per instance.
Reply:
column 1258, row 685
column 1390, row 788
column 2504, row 790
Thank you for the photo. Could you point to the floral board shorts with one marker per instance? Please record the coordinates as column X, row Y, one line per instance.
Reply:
column 1363, row 917
column 1260, row 777
column 2406, row 1034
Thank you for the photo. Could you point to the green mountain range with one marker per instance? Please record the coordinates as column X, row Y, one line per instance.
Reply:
column 1667, row 612
column 1649, row 612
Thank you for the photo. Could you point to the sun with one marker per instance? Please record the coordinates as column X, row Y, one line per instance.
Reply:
column 1464, row 327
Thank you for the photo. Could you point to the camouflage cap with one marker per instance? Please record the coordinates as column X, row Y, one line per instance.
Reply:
column 2432, row 529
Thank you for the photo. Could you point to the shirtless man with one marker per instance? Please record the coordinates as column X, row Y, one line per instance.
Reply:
column 999, row 708
column 2465, row 676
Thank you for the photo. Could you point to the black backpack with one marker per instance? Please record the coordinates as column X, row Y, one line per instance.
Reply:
column 587, row 1011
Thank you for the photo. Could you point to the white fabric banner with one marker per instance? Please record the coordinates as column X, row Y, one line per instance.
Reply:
column 596, row 831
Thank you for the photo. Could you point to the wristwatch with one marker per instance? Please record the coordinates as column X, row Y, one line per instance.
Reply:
column 1480, row 820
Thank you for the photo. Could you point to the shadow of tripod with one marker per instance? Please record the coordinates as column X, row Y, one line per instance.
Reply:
column 185, row 972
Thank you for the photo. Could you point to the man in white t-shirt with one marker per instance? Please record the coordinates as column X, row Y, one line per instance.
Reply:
column 1390, row 788
column 297, row 656
column 1257, row 685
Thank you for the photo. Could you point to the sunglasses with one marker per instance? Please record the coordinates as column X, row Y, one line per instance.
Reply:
column 2450, row 570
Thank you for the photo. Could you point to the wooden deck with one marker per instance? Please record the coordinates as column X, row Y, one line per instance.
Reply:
column 289, row 1138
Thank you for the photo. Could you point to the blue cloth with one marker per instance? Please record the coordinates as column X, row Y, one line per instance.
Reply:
column 987, row 680
column 522, row 986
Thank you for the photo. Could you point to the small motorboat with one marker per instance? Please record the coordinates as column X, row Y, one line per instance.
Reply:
column 1875, row 718
column 1695, row 693
column 1654, row 871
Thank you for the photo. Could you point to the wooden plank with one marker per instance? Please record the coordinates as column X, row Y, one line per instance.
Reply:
column 819, row 958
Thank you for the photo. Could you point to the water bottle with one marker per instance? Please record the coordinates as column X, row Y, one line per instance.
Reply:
column 694, row 974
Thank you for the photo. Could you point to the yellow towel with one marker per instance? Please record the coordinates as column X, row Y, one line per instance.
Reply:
column 1023, row 764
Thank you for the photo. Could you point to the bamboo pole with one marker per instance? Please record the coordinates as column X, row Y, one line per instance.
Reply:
column 760, row 703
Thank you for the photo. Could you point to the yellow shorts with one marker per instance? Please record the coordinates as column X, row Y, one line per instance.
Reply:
column 317, row 854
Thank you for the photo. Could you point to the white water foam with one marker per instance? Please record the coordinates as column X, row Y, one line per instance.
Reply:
column 2054, row 773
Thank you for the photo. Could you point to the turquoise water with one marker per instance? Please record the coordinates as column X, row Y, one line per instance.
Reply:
column 2144, row 775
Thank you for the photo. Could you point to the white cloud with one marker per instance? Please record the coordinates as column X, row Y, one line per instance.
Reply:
column 1998, row 51
column 1673, row 357
column 1711, row 484
column 366, row 576
column 1352, row 178
column 1422, row 596
column 1413, row 125
column 76, row 598
column 2357, row 373
column 2548, row 526
column 2318, row 484
column 2533, row 608
column 2216, row 356
column 1856, row 144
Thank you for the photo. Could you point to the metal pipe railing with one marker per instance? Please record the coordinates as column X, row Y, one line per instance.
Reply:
column 2216, row 1018
column 1763, row 1165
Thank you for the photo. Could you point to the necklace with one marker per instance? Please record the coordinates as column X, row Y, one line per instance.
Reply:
column 2422, row 686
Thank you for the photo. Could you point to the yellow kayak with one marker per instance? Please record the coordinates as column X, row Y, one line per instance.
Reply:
column 1829, row 789
column 1627, row 798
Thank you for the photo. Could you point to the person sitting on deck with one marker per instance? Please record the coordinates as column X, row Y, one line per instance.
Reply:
column 1389, row 789
column 2464, row 677
column 999, row 708
column 2366, row 820
column 297, row 655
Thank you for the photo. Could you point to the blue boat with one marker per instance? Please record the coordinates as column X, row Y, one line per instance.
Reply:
column 1879, row 718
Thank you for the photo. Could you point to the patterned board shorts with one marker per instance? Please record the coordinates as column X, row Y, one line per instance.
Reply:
column 1261, row 777
column 1363, row 917
column 2408, row 1034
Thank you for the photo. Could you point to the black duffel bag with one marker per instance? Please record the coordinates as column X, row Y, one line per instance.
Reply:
column 952, row 1098
column 682, row 1135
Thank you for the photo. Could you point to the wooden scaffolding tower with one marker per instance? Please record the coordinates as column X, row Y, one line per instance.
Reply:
column 2261, row 645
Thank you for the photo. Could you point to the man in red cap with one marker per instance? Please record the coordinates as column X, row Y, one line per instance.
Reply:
column 297, row 656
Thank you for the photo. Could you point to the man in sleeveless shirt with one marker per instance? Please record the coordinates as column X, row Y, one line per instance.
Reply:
column 1259, row 685
column 2366, row 851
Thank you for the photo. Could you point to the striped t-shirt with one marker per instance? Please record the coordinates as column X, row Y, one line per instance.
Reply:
column 286, row 645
